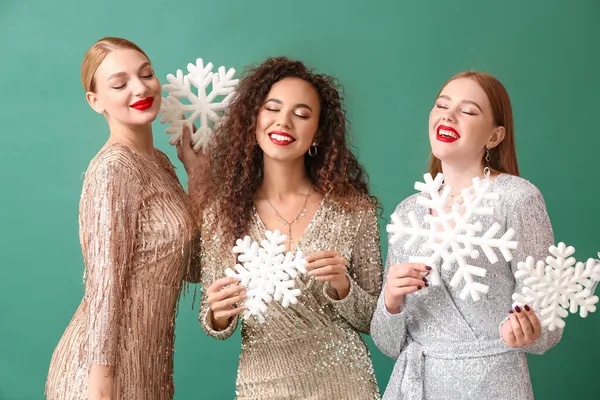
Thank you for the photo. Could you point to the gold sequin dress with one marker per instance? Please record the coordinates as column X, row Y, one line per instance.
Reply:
column 137, row 232
column 311, row 350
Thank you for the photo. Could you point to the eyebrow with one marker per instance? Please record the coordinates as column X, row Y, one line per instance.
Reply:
column 119, row 74
column 299, row 105
column 464, row 101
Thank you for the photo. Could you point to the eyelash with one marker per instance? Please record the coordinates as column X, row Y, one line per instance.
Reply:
column 149, row 76
column 299, row 116
column 445, row 108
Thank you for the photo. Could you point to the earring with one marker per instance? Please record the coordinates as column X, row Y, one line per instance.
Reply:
column 486, row 169
column 312, row 151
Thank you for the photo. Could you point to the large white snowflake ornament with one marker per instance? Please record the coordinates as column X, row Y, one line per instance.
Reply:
column 267, row 273
column 451, row 236
column 558, row 285
column 206, row 105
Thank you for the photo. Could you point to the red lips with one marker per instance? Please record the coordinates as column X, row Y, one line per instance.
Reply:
column 447, row 138
column 278, row 141
column 143, row 104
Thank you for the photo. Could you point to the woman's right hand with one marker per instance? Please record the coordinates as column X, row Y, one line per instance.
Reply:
column 100, row 383
column 223, row 296
column 403, row 279
column 185, row 151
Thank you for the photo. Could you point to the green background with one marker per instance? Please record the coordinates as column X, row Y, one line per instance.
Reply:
column 392, row 56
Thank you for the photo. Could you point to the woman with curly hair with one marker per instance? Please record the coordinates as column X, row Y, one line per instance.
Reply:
column 281, row 160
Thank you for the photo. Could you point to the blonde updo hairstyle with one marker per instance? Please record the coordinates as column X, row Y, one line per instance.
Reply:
column 97, row 53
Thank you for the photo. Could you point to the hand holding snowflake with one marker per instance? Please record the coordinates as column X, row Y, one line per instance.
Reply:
column 451, row 236
column 267, row 273
column 559, row 284
column 202, row 105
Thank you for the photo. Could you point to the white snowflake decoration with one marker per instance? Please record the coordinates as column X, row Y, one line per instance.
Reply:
column 267, row 273
column 558, row 284
column 202, row 106
column 451, row 236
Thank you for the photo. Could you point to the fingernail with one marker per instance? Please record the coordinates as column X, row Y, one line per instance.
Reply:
column 510, row 311
column 424, row 280
column 420, row 287
column 426, row 283
column 517, row 309
column 527, row 307
column 428, row 268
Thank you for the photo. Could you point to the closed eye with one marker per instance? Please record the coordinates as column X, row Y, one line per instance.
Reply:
column 120, row 87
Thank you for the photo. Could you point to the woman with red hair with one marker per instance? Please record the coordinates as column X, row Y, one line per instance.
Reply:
column 447, row 347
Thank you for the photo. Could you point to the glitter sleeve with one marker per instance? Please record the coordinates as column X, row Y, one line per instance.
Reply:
column 531, row 223
column 389, row 330
column 214, row 263
column 365, row 276
column 193, row 273
column 107, row 219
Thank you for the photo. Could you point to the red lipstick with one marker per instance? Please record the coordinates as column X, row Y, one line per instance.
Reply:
column 143, row 104
column 282, row 138
column 447, row 134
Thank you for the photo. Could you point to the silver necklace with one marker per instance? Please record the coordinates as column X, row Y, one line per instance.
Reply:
column 287, row 223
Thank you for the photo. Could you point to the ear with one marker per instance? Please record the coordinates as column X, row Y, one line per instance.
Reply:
column 316, row 139
column 93, row 101
column 496, row 137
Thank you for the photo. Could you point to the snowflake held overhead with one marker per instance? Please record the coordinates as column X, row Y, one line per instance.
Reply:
column 267, row 273
column 206, row 106
column 451, row 234
column 558, row 285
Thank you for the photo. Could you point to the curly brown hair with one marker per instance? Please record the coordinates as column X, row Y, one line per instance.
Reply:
column 235, row 167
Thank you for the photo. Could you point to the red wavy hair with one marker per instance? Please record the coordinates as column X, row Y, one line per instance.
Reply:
column 503, row 157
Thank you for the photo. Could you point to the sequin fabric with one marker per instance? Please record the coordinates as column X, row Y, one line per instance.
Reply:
column 137, row 232
column 311, row 350
column 449, row 348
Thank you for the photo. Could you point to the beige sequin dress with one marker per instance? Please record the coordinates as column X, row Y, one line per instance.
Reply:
column 137, row 234
column 311, row 350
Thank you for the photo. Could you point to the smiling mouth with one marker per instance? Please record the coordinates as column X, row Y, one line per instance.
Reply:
column 447, row 134
column 143, row 104
column 281, row 138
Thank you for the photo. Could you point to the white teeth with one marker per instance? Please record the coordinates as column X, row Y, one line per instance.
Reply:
column 448, row 134
column 281, row 138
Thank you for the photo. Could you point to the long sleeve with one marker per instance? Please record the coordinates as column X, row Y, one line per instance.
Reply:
column 388, row 330
column 529, row 218
column 107, row 218
column 214, row 262
column 365, row 274
column 193, row 273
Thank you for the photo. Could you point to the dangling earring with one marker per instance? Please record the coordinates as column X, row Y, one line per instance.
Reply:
column 486, row 170
column 312, row 150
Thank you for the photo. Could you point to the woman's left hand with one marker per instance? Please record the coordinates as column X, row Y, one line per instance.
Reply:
column 522, row 327
column 330, row 266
